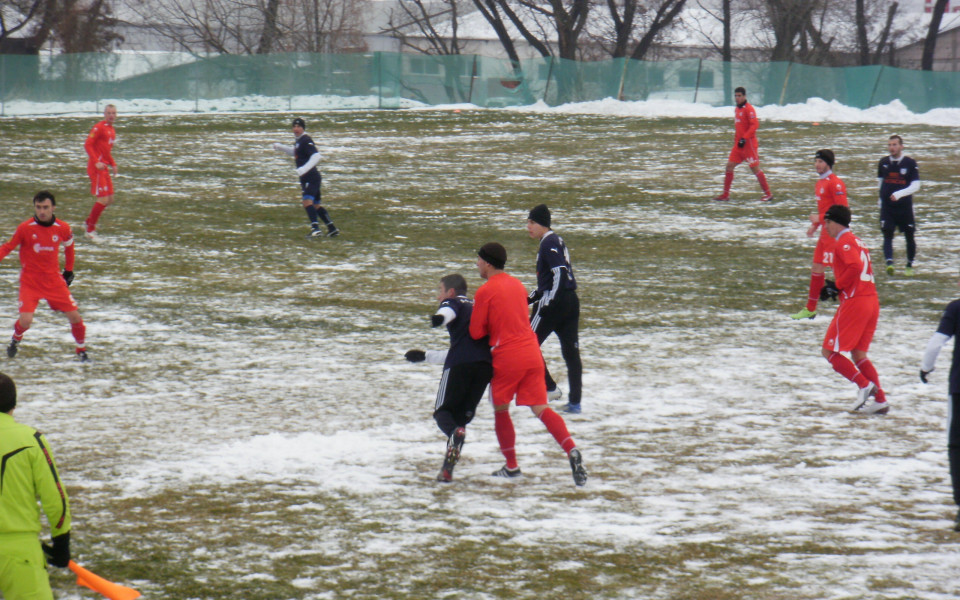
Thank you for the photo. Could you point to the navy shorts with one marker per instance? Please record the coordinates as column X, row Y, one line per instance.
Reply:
column 891, row 220
column 311, row 189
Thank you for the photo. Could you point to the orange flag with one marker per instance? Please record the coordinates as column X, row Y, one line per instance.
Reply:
column 111, row 590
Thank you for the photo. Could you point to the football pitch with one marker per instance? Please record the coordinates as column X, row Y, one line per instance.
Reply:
column 249, row 429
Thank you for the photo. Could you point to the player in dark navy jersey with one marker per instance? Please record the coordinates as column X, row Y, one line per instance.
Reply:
column 949, row 328
column 467, row 368
column 899, row 178
column 304, row 151
column 556, row 304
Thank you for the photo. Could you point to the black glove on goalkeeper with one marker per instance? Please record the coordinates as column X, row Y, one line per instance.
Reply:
column 923, row 375
column 436, row 320
column 58, row 554
column 741, row 142
column 829, row 291
column 533, row 296
column 415, row 355
column 68, row 277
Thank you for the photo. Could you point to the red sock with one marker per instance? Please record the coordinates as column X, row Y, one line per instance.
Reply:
column 79, row 331
column 870, row 372
column 816, row 284
column 503, row 425
column 95, row 213
column 843, row 365
column 18, row 330
column 727, row 182
column 763, row 182
column 558, row 429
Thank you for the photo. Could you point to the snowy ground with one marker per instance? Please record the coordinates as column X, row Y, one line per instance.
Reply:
column 250, row 430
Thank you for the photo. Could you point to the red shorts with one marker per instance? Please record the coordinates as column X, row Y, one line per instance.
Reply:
column 823, row 255
column 853, row 325
column 101, row 185
column 747, row 154
column 527, row 384
column 51, row 288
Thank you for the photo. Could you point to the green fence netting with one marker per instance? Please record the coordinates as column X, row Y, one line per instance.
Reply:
column 299, row 81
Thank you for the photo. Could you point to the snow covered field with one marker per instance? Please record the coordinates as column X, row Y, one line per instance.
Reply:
column 249, row 428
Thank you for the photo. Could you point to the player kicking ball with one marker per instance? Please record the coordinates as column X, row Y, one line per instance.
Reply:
column 467, row 369
column 856, row 318
column 39, row 239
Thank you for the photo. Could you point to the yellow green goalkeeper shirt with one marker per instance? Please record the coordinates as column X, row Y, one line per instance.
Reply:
column 28, row 472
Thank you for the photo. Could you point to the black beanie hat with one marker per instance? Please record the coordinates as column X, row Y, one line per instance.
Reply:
column 300, row 122
column 826, row 156
column 540, row 214
column 8, row 393
column 493, row 253
column 839, row 214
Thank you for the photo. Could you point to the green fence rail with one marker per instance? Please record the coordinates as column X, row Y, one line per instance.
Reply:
column 299, row 81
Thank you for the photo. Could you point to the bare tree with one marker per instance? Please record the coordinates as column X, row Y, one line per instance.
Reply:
column 255, row 26
column 930, row 43
column 427, row 27
column 866, row 56
column 650, row 17
column 788, row 20
column 73, row 25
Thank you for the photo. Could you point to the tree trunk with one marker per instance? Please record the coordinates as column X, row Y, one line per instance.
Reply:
column 878, row 55
column 727, row 53
column 862, row 44
column 269, row 34
column 930, row 44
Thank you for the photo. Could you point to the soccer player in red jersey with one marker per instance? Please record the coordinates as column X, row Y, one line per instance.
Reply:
column 855, row 321
column 99, row 164
column 500, row 312
column 39, row 240
column 830, row 190
column 745, row 146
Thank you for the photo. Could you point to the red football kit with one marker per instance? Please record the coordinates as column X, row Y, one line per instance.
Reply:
column 40, row 277
column 500, row 311
column 98, row 146
column 745, row 126
column 829, row 190
column 856, row 318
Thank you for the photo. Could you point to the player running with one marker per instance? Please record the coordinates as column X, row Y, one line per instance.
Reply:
column 100, row 162
column 556, row 304
column 28, row 472
column 949, row 328
column 899, row 178
column 466, row 369
column 830, row 190
column 745, row 146
column 500, row 312
column 305, row 153
column 855, row 321
column 39, row 239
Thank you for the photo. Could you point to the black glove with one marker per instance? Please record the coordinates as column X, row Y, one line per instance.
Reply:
column 436, row 320
column 741, row 142
column 923, row 375
column 829, row 291
column 58, row 555
column 68, row 277
column 533, row 296
column 415, row 355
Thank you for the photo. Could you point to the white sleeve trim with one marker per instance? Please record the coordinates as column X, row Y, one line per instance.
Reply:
column 283, row 148
column 311, row 163
column 447, row 313
column 937, row 340
column 910, row 189
column 436, row 357
column 879, row 182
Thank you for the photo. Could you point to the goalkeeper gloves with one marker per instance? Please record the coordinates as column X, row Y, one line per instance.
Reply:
column 415, row 356
column 68, row 277
column 58, row 554
column 436, row 320
column 829, row 291
column 741, row 142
